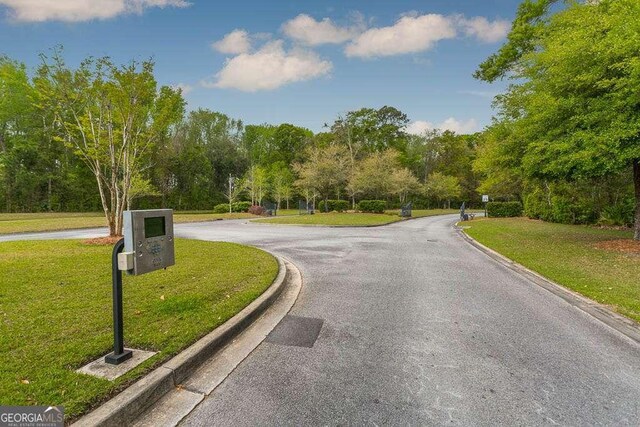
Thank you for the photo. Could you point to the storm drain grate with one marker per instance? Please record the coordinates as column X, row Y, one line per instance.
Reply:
column 296, row 331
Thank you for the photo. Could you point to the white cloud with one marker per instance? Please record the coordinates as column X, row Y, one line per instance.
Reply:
column 236, row 42
column 185, row 88
column 483, row 29
column 269, row 68
column 305, row 29
column 460, row 127
column 410, row 34
column 80, row 10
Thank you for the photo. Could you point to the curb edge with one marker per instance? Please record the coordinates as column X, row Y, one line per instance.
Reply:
column 616, row 321
column 135, row 399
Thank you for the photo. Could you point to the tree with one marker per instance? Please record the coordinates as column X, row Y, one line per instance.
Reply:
column 443, row 188
column 374, row 175
column 281, row 180
column 111, row 117
column 404, row 183
column 368, row 130
column 529, row 25
column 324, row 171
column 235, row 187
column 257, row 182
column 139, row 187
column 498, row 161
column 576, row 104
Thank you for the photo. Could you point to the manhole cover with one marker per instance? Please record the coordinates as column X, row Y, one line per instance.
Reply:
column 296, row 331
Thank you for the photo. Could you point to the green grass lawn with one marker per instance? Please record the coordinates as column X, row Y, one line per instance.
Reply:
column 55, row 312
column 568, row 255
column 36, row 222
column 352, row 219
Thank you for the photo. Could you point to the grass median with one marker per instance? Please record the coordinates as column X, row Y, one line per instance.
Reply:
column 54, row 221
column 55, row 312
column 348, row 219
column 601, row 264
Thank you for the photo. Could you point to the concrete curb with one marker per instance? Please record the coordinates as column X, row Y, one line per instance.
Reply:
column 609, row 317
column 254, row 221
column 133, row 401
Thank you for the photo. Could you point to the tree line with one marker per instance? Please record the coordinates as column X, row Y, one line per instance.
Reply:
column 106, row 137
column 566, row 139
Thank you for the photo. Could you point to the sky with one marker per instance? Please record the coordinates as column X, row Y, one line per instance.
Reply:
column 299, row 62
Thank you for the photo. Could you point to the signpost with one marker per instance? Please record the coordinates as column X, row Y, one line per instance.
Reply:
column 148, row 246
column 485, row 200
column 232, row 182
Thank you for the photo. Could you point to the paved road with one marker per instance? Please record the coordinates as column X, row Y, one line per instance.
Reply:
column 420, row 328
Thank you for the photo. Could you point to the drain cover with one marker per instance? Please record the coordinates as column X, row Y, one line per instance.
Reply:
column 296, row 331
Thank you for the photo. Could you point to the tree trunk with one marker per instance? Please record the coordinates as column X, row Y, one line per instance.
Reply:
column 636, row 184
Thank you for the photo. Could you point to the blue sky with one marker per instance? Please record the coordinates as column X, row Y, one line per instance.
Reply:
column 301, row 62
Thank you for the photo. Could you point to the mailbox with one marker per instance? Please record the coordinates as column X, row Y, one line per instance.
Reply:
column 148, row 241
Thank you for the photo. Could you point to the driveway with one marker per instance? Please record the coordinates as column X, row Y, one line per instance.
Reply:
column 418, row 327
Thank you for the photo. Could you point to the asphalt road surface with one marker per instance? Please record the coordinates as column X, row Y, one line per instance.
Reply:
column 420, row 328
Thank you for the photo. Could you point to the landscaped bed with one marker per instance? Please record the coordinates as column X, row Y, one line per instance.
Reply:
column 602, row 264
column 37, row 222
column 352, row 219
column 55, row 312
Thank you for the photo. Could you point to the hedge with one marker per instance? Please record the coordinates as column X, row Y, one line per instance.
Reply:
column 334, row 205
column 504, row 209
column 374, row 206
column 235, row 207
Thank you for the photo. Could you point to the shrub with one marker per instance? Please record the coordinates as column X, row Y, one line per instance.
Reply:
column 504, row 209
column 221, row 208
column 235, row 207
column 256, row 210
column 240, row 206
column 374, row 206
column 334, row 205
column 619, row 214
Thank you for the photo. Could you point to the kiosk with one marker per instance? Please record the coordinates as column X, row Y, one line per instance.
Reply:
column 147, row 246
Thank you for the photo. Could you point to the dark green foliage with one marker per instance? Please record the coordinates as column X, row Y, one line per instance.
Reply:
column 619, row 214
column 334, row 205
column 504, row 209
column 237, row 207
column 373, row 206
column 240, row 206
column 221, row 208
column 585, row 202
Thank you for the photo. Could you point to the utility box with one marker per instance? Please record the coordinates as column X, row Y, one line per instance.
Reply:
column 148, row 241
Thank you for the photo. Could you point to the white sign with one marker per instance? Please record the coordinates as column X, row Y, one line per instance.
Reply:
column 485, row 198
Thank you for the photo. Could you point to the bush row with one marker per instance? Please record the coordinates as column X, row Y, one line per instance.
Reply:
column 504, row 209
column 570, row 210
column 373, row 206
column 235, row 207
column 333, row 205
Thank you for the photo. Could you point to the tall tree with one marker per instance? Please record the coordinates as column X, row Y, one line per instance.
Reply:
column 577, row 106
column 281, row 180
column 111, row 116
column 324, row 171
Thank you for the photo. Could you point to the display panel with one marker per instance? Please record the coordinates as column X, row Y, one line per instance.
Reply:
column 154, row 227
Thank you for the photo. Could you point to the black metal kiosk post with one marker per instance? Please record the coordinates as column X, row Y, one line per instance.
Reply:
column 119, row 354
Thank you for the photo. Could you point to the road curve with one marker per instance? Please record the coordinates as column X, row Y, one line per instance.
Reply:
column 419, row 328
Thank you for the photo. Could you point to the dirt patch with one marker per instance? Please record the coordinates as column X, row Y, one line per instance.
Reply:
column 103, row 241
column 627, row 246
